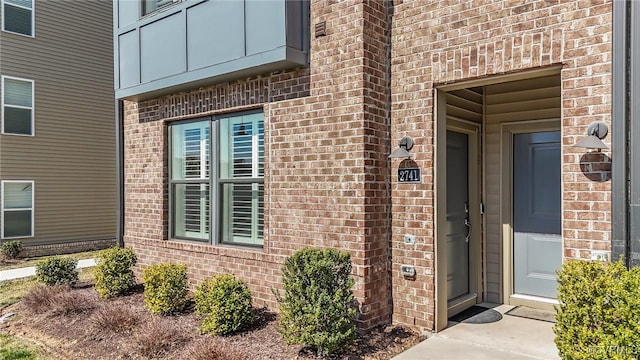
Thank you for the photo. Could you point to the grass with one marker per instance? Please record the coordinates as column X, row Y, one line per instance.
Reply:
column 14, row 264
column 13, row 291
column 12, row 348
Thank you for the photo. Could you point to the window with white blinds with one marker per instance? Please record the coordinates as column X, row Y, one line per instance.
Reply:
column 17, row 106
column 17, row 16
column 17, row 208
column 190, row 180
column 225, row 199
column 241, row 178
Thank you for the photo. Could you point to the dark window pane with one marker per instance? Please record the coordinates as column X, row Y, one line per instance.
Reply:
column 17, row 223
column 17, row 20
column 17, row 121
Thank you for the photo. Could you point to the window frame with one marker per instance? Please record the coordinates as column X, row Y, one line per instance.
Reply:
column 32, row 108
column 32, row 208
column 156, row 10
column 216, row 183
column 33, row 18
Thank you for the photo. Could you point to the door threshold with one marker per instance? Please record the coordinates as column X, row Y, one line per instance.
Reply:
column 461, row 303
column 531, row 301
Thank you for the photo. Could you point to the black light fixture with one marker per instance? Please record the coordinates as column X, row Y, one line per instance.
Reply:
column 406, row 144
column 596, row 131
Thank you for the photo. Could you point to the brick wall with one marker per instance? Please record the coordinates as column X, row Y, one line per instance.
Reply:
column 329, row 129
column 328, row 174
column 146, row 171
column 447, row 41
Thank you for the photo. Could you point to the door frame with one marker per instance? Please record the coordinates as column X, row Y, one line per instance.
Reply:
column 442, row 310
column 507, row 131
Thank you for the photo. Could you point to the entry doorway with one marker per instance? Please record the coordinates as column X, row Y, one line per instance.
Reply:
column 532, row 205
column 509, row 206
column 463, row 240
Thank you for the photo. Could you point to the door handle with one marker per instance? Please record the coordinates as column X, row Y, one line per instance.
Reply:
column 468, row 225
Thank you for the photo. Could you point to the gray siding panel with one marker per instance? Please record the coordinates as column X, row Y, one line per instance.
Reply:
column 208, row 45
column 162, row 48
column 71, row 158
column 129, row 12
column 265, row 23
column 130, row 63
column 199, row 42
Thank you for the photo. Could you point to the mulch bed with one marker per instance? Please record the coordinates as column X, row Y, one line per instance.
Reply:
column 84, row 332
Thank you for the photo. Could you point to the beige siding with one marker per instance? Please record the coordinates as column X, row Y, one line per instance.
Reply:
column 465, row 104
column 530, row 99
column 71, row 158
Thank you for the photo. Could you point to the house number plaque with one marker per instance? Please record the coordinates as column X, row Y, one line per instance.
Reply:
column 409, row 175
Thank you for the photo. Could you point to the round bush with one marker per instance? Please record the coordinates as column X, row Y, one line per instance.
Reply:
column 599, row 313
column 11, row 249
column 317, row 306
column 225, row 303
column 114, row 271
column 165, row 288
column 57, row 271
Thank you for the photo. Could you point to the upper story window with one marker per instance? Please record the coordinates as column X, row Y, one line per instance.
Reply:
column 17, row 106
column 222, row 203
column 149, row 6
column 16, row 208
column 17, row 16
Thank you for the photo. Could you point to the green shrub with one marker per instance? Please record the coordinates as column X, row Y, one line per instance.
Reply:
column 317, row 306
column 599, row 312
column 57, row 271
column 114, row 271
column 11, row 249
column 225, row 303
column 165, row 288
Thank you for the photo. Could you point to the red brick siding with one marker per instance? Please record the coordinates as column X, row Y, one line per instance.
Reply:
column 146, row 184
column 447, row 41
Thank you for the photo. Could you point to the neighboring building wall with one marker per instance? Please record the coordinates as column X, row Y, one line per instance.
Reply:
column 444, row 42
column 71, row 158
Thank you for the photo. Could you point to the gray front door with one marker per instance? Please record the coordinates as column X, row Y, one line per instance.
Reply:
column 536, row 213
column 457, row 214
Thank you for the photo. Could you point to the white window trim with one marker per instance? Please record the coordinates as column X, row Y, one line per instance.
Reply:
column 33, row 105
column 32, row 208
column 33, row 19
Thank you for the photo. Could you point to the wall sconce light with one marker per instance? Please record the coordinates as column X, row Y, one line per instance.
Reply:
column 406, row 144
column 596, row 131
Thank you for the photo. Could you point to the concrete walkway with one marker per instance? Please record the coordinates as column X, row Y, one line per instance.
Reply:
column 24, row 272
column 511, row 338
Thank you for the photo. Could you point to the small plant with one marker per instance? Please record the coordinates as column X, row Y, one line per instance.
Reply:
column 71, row 302
column 225, row 303
column 40, row 298
column 115, row 319
column 156, row 337
column 57, row 300
column 114, row 271
column 599, row 313
column 165, row 288
column 317, row 306
column 207, row 349
column 11, row 249
column 57, row 271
